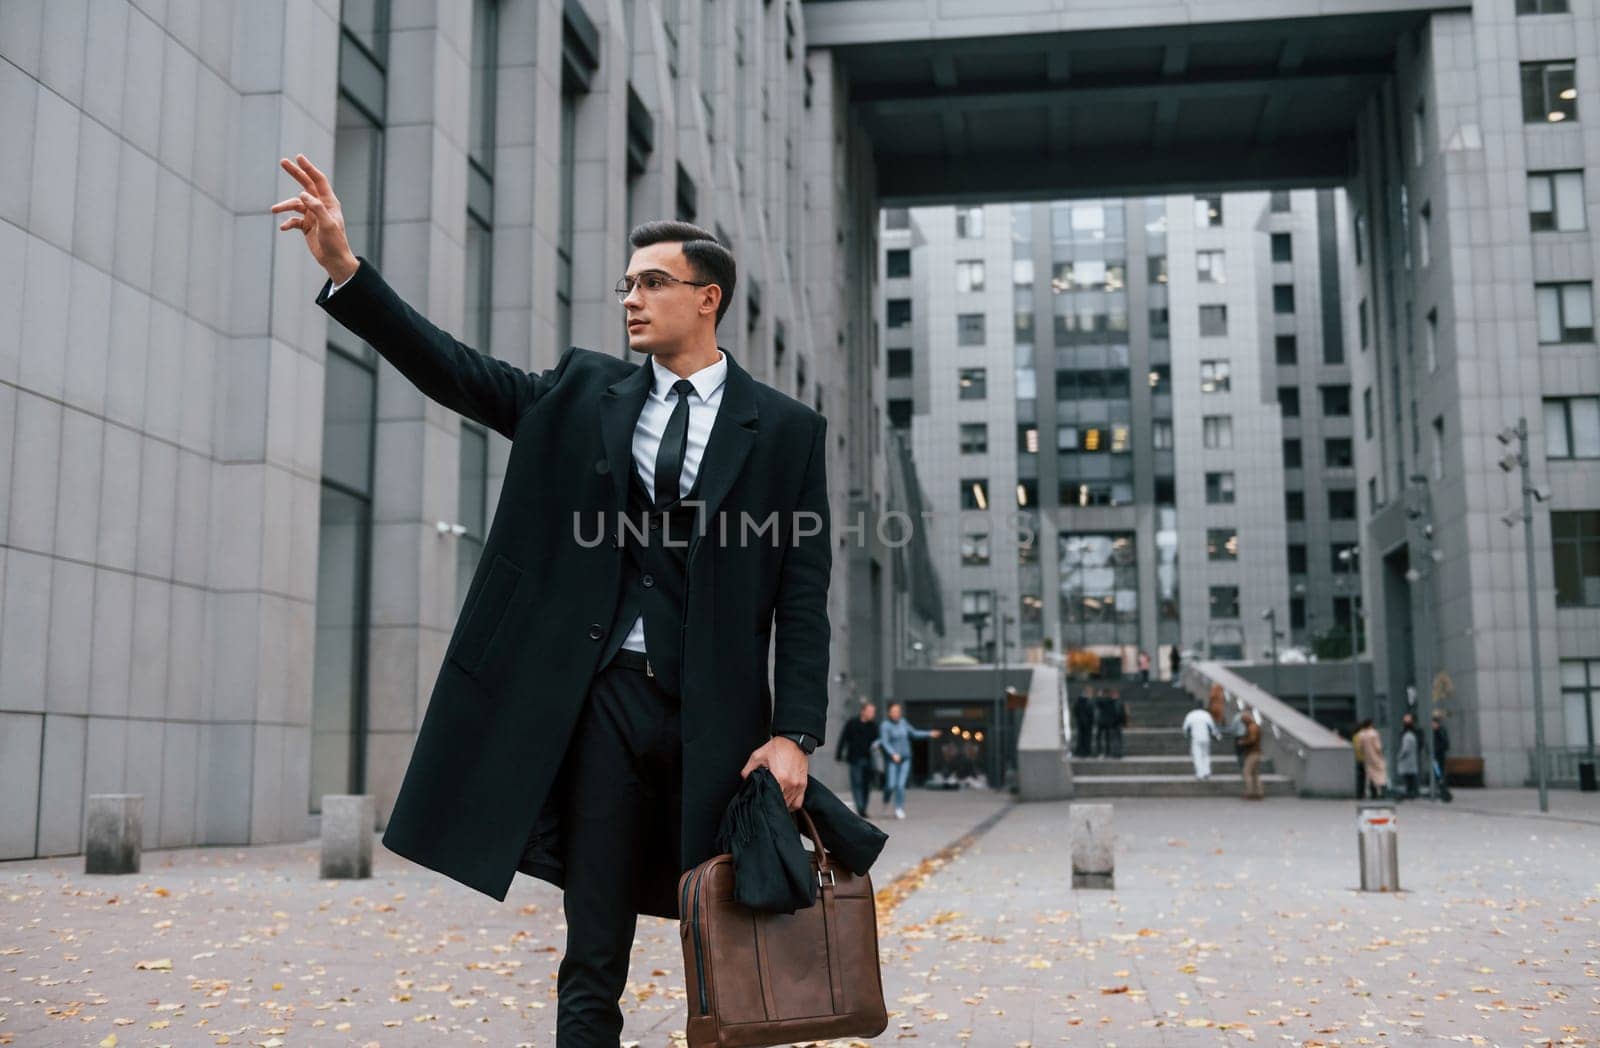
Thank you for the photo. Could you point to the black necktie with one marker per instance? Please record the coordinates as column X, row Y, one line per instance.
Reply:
column 674, row 445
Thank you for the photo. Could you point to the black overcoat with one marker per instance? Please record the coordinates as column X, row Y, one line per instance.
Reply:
column 527, row 644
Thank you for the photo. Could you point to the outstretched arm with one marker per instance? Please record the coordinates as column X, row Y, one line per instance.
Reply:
column 491, row 392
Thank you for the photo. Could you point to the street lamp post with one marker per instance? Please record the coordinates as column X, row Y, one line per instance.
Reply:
column 1348, row 557
column 1271, row 615
column 1519, row 460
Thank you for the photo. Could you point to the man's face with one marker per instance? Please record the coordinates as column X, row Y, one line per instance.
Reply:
column 662, row 318
column 868, row 711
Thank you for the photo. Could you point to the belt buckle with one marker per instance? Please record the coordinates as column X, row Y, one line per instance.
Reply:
column 649, row 671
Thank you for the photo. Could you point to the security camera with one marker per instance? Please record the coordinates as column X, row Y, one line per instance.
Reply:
column 1436, row 555
column 1506, row 436
column 1542, row 493
column 1508, row 462
column 1511, row 519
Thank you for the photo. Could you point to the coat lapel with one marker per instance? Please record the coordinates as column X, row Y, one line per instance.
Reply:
column 732, row 435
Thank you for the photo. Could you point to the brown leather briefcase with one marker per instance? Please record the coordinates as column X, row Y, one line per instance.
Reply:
column 757, row 978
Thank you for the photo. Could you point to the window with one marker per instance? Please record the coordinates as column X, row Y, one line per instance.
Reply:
column 1219, row 488
column 1156, row 269
column 899, row 363
column 974, row 493
column 974, row 383
column 1217, row 431
column 1027, row 438
column 1293, row 458
column 1209, row 268
column 1213, row 320
column 1282, row 247
column 900, row 413
column 1555, row 201
column 969, row 222
column 1366, row 412
column 1338, row 453
column 1160, row 379
column 1549, row 92
column 1222, row 543
column 1580, row 700
column 1541, row 7
column 1022, row 272
column 1572, row 427
column 975, row 549
column 1289, row 401
column 1576, row 536
column 977, row 605
column 896, row 218
column 969, row 275
column 1207, row 211
column 1361, row 322
column 1430, row 341
column 1283, row 298
column 1215, row 376
column 898, row 262
column 1566, row 312
column 1425, row 235
column 1161, row 434
column 969, row 329
column 1288, row 350
column 1224, row 602
column 1294, row 505
column 1278, row 200
column 1297, row 558
column 899, row 312
column 974, row 438
column 1373, row 501
column 1335, row 401
column 1342, row 503
column 1438, row 447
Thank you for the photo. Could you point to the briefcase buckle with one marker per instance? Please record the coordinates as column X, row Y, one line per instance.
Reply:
column 829, row 872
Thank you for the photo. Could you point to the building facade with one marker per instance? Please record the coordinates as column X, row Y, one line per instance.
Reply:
column 233, row 541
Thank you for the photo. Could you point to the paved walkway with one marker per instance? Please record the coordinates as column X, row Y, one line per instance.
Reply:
column 1230, row 922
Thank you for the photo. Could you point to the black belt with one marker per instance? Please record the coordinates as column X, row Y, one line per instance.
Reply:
column 633, row 660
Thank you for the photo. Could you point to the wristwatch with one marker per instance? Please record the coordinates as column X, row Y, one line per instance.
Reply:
column 804, row 740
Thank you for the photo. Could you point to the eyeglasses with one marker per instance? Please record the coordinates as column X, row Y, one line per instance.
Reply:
column 652, row 282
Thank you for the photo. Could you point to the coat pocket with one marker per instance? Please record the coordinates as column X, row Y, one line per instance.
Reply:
column 482, row 618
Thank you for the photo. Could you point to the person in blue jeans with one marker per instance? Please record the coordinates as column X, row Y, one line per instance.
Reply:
column 894, row 738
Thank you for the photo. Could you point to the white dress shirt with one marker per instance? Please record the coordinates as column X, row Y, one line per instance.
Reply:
column 703, row 405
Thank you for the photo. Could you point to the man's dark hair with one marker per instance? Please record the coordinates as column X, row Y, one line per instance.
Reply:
column 707, row 256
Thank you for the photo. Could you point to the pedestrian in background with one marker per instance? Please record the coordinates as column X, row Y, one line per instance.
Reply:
column 855, row 747
column 1441, row 750
column 1105, row 713
column 895, row 735
column 1249, row 750
column 1144, row 667
column 1082, row 724
column 1370, row 746
column 1407, row 756
column 1200, row 730
column 1361, row 767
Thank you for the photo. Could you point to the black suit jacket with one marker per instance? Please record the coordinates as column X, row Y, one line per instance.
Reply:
column 519, row 663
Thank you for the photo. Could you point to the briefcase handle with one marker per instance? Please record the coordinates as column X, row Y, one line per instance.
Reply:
column 810, row 829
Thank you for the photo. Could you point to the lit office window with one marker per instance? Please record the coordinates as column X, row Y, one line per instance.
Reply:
column 1209, row 267
column 969, row 275
column 1549, row 92
column 1207, row 211
column 1215, row 376
column 1222, row 543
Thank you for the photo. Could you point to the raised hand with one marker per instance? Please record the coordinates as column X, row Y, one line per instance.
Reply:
column 319, row 218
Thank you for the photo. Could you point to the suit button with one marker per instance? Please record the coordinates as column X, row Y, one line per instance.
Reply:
column 595, row 632
column 655, row 522
column 648, row 579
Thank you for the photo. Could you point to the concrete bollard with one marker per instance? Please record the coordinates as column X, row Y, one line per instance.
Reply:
column 113, row 831
column 347, row 835
column 1094, row 845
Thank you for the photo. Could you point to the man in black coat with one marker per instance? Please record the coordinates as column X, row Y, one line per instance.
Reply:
column 855, row 747
column 605, row 690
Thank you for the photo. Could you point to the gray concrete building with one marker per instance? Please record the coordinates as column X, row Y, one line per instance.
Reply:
column 232, row 540
column 223, row 581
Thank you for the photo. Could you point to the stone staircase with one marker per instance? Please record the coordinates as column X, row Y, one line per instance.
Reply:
column 1155, row 761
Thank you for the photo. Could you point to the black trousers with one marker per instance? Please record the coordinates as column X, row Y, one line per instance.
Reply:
column 622, row 773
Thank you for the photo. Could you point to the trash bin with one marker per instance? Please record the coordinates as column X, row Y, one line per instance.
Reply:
column 1586, row 777
column 1379, row 852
